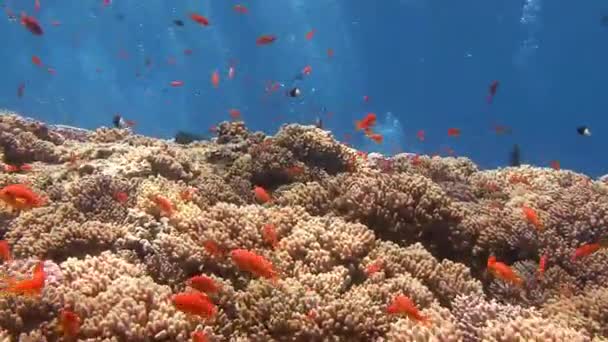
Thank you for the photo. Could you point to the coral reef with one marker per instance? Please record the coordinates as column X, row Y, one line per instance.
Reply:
column 127, row 220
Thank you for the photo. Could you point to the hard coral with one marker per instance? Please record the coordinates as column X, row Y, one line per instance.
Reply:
column 350, row 234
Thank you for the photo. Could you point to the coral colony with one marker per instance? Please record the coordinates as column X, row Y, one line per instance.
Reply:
column 111, row 236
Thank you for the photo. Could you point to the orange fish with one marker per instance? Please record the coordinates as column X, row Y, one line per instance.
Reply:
column 213, row 248
column 503, row 272
column 366, row 123
column 194, row 303
column 532, row 217
column 310, row 34
column 199, row 19
column 36, row 60
column 234, row 113
column 420, row 135
column 253, row 263
column 269, row 233
column 261, row 195
column 377, row 138
column 266, row 39
column 28, row 287
column 588, row 249
column 240, row 9
column 403, row 305
column 69, row 323
column 307, row 70
column 5, row 251
column 121, row 197
column 199, row 336
column 20, row 197
column 163, row 204
column 203, row 283
column 31, row 24
column 374, row 267
column 453, row 132
column 555, row 165
column 542, row 266
column 215, row 79
column 177, row 83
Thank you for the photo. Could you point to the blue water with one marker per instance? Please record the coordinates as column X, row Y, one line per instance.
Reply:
column 424, row 64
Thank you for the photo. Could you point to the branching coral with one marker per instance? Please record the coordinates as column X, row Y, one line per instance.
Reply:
column 131, row 218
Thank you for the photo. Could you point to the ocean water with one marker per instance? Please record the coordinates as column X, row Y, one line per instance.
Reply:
column 424, row 65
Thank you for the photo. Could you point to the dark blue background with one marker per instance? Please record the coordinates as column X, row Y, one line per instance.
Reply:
column 427, row 62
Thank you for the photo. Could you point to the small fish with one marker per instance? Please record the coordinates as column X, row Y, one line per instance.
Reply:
column 37, row 5
column 119, row 122
column 215, row 79
column 532, row 217
column 36, row 60
column 240, row 9
column 178, row 22
column 121, row 196
column 194, row 303
column 199, row 336
column 176, row 83
column 269, row 234
column 203, row 283
column 28, row 287
column 187, row 194
column 307, row 70
column 310, row 34
column 377, row 138
column 199, row 19
column 588, row 249
column 515, row 156
column 231, row 72
column 213, row 248
column 31, row 24
column 319, row 122
column 234, row 113
column 330, row 52
column 56, row 23
column 403, row 305
column 453, row 132
column 69, row 323
column 20, row 197
column 261, row 195
column 253, row 263
column 107, row 2
column 163, row 204
column 188, row 52
column 555, row 165
column 492, row 91
column 503, row 272
column 542, row 266
column 420, row 135
column 5, row 251
column 294, row 92
column 266, row 39
column 374, row 267
column 366, row 123
column 584, row 131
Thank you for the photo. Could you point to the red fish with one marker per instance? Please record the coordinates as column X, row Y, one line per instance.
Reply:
column 177, row 83
column 213, row 248
column 199, row 19
column 266, row 39
column 194, row 303
column 31, row 24
column 420, row 135
column 310, row 34
column 377, row 138
column 36, row 60
column 203, row 283
column 253, row 263
column 107, row 2
column 542, row 266
column 403, row 305
column 269, row 233
column 374, row 267
column 56, row 23
column 28, row 287
column 240, row 9
column 5, row 251
column 121, row 197
column 366, row 123
column 37, row 5
column 503, row 272
column 69, row 323
column 365, row 98
column 199, row 336
column 163, row 204
column 532, row 217
column 234, row 113
column 215, row 79
column 588, row 249
column 555, row 165
column 453, row 132
column 307, row 70
column 330, row 52
column 20, row 197
column 492, row 91
column 261, row 195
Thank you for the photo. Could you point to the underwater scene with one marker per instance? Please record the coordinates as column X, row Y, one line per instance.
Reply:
column 323, row 170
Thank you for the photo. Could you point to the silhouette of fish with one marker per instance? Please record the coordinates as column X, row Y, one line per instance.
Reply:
column 515, row 156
